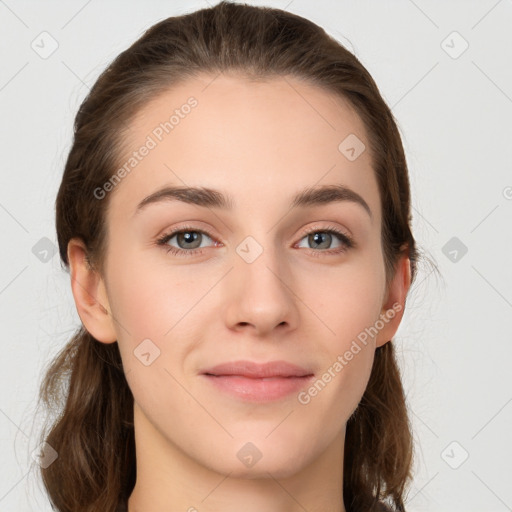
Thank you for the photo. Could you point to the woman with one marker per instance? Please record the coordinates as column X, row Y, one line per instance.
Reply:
column 235, row 216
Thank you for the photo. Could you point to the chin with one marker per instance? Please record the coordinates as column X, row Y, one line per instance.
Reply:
column 262, row 471
column 274, row 464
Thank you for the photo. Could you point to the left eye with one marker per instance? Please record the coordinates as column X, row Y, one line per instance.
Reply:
column 324, row 238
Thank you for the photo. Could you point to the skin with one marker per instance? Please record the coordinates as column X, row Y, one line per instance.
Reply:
column 260, row 142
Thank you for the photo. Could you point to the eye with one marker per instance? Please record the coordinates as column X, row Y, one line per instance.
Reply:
column 188, row 239
column 323, row 238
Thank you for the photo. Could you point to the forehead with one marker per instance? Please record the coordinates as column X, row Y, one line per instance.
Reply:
column 256, row 140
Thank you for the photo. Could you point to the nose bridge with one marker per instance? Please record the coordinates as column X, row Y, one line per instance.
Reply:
column 261, row 294
column 260, row 264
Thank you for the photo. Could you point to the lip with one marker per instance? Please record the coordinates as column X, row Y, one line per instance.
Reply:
column 258, row 382
column 258, row 370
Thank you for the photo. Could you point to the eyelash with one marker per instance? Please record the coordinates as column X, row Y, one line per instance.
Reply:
column 347, row 241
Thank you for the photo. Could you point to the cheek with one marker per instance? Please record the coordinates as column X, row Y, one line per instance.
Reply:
column 145, row 297
column 138, row 299
column 347, row 299
column 348, row 303
column 347, row 362
column 352, row 372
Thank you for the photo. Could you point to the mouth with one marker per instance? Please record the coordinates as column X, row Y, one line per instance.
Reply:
column 255, row 382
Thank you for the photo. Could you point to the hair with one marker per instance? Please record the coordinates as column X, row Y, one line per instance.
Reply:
column 85, row 383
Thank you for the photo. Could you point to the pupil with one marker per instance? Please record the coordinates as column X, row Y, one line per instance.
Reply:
column 190, row 236
column 318, row 238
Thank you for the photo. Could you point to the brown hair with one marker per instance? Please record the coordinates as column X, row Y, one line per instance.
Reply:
column 93, row 434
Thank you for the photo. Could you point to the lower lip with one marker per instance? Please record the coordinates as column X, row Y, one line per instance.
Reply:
column 258, row 390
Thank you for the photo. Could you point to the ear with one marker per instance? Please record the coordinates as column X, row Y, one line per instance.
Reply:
column 90, row 294
column 394, row 304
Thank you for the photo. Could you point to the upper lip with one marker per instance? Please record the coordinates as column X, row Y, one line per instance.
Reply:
column 258, row 370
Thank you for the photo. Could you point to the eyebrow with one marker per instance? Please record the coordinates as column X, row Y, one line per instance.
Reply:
column 211, row 198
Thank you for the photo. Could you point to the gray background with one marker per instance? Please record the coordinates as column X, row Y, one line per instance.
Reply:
column 453, row 108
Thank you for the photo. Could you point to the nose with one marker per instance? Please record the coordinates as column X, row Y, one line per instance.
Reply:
column 260, row 296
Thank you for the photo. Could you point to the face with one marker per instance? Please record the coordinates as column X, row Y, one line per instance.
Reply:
column 193, row 281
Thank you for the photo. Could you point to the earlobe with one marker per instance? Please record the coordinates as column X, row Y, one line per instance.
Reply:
column 394, row 306
column 90, row 294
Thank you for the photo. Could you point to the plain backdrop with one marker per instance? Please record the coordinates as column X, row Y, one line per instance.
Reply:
column 444, row 68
